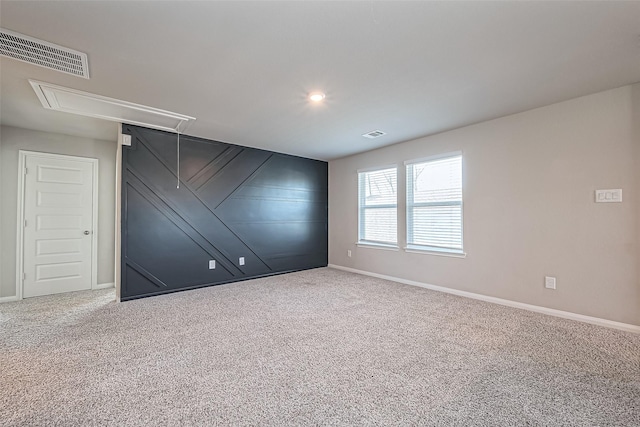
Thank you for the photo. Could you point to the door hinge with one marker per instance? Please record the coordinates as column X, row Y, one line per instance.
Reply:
column 26, row 171
column 25, row 222
column 24, row 276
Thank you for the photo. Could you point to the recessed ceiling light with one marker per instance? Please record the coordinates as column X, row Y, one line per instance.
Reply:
column 316, row 96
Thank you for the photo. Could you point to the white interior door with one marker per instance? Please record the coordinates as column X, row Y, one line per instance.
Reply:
column 58, row 231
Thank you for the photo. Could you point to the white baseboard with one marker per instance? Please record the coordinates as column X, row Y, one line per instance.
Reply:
column 99, row 286
column 538, row 309
column 105, row 285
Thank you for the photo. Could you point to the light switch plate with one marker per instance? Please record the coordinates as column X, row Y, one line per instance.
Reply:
column 609, row 196
column 241, row 260
column 549, row 282
column 212, row 264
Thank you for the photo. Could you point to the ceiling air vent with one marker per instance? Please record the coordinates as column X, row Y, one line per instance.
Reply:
column 373, row 134
column 38, row 52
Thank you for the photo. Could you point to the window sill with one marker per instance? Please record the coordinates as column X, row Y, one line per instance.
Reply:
column 377, row 246
column 433, row 251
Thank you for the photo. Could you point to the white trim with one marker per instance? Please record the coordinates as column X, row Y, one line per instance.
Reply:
column 105, row 285
column 22, row 156
column 9, row 299
column 433, row 158
column 118, row 220
column 529, row 307
column 432, row 251
column 94, row 231
column 364, row 244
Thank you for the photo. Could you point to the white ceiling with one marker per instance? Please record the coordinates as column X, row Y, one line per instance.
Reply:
column 244, row 69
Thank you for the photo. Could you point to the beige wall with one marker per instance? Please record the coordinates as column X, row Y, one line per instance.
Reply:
column 529, row 210
column 14, row 139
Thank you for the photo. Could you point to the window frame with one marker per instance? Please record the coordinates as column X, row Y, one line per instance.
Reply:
column 410, row 205
column 361, row 209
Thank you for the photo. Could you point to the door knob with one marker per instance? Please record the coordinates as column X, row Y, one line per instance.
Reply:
column 86, row 232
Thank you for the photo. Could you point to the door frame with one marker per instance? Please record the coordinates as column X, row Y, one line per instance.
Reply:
column 22, row 161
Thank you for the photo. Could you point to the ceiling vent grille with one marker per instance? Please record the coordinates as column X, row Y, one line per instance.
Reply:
column 373, row 134
column 48, row 55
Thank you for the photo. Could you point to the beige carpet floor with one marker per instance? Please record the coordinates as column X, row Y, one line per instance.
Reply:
column 319, row 347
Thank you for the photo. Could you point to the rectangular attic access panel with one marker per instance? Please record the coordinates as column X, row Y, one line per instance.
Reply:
column 254, row 212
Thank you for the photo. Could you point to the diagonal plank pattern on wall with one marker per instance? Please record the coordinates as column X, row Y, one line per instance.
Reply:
column 233, row 202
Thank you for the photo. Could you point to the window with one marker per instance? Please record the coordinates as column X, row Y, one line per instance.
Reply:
column 378, row 207
column 434, row 204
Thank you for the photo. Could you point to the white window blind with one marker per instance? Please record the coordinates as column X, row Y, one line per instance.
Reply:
column 434, row 204
column 378, row 206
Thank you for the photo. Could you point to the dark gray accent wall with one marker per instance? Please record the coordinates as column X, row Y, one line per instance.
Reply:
column 232, row 202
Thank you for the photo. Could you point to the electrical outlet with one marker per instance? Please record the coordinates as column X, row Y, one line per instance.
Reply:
column 349, row 253
column 549, row 282
column 241, row 260
column 212, row 264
